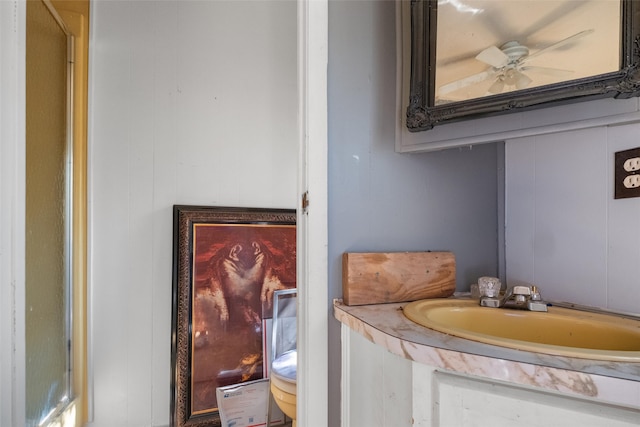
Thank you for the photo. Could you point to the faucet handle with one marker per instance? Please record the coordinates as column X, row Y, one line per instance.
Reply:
column 521, row 290
column 489, row 287
column 535, row 294
column 519, row 294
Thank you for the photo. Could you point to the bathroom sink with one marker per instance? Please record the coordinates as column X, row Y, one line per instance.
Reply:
column 560, row 331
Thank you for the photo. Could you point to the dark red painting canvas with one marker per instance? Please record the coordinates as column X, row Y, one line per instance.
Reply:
column 236, row 269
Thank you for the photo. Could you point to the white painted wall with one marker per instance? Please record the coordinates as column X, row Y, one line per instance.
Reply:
column 564, row 230
column 190, row 103
column 12, row 211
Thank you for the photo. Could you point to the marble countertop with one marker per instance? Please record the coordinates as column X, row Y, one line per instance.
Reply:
column 386, row 325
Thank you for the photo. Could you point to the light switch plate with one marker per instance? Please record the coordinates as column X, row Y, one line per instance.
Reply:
column 626, row 174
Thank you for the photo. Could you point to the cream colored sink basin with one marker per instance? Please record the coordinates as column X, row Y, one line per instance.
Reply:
column 560, row 331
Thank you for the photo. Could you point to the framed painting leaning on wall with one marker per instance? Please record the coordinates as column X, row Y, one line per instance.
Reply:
column 227, row 262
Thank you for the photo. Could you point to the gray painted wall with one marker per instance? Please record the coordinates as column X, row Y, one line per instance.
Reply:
column 383, row 201
column 565, row 231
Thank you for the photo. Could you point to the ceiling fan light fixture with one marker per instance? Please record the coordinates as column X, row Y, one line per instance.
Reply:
column 496, row 87
column 522, row 80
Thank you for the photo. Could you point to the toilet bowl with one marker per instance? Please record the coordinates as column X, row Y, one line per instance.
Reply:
column 283, row 383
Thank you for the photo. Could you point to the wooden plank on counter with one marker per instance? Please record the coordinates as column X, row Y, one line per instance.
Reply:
column 386, row 277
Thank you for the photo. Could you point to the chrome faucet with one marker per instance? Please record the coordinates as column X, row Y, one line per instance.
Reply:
column 519, row 296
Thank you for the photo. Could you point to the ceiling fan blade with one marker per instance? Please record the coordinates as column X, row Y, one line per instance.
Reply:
column 494, row 57
column 554, row 14
column 467, row 81
column 553, row 72
column 558, row 44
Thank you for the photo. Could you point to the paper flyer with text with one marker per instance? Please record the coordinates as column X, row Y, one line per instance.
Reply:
column 245, row 404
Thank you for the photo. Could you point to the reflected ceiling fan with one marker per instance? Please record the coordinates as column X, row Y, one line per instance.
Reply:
column 508, row 66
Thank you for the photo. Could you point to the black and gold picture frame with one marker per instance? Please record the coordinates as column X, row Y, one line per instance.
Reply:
column 227, row 262
column 479, row 58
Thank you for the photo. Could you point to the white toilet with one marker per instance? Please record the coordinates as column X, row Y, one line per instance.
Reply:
column 284, row 354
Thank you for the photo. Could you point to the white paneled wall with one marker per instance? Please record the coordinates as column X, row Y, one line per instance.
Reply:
column 191, row 102
column 12, row 211
column 564, row 230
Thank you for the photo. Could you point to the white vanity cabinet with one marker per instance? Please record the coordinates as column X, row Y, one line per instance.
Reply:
column 391, row 378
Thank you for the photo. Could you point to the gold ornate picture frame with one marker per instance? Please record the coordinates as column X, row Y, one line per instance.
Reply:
column 227, row 262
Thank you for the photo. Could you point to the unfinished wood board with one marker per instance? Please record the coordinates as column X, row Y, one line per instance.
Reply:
column 385, row 277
